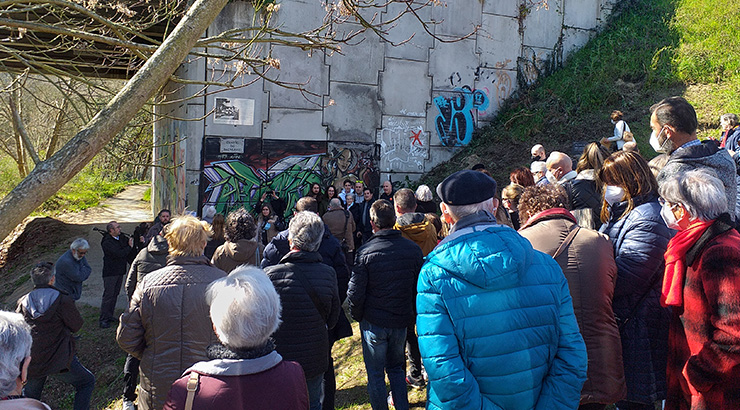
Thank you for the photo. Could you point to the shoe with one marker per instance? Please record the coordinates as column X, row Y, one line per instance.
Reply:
column 128, row 405
column 104, row 324
column 414, row 383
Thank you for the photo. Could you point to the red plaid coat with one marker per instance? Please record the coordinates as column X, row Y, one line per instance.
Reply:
column 704, row 339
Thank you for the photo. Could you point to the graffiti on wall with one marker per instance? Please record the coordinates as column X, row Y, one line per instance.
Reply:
column 289, row 168
column 356, row 162
column 455, row 121
column 403, row 146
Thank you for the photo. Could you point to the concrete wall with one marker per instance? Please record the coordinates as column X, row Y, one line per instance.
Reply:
column 383, row 110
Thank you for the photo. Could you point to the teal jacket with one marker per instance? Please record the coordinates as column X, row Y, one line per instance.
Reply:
column 496, row 324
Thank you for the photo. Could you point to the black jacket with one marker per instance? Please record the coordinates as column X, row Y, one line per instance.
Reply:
column 383, row 284
column 302, row 335
column 364, row 226
column 115, row 255
column 583, row 194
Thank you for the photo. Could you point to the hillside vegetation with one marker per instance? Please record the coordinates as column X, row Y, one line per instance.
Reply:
column 651, row 49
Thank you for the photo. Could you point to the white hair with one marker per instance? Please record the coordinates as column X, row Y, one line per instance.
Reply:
column 305, row 231
column 699, row 191
column 335, row 203
column 244, row 307
column 538, row 166
column 15, row 345
column 424, row 193
column 460, row 211
column 79, row 244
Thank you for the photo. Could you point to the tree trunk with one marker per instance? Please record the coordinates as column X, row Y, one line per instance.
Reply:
column 20, row 157
column 57, row 130
column 50, row 175
column 20, row 129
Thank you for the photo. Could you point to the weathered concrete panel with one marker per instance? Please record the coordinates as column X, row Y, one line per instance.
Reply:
column 298, row 16
column 407, row 28
column 453, row 64
column 499, row 42
column 573, row 40
column 439, row 154
column 502, row 7
column 352, row 112
column 298, row 67
column 498, row 85
column 251, row 102
column 404, row 145
column 194, row 131
column 581, row 13
column 542, row 26
column 359, row 62
column 291, row 124
column 405, row 85
column 457, row 19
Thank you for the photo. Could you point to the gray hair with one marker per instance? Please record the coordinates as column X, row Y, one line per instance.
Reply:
column 335, row 203
column 730, row 119
column 42, row 273
column 79, row 244
column 460, row 211
column 350, row 195
column 244, row 307
column 305, row 231
column 15, row 345
column 424, row 193
column 699, row 191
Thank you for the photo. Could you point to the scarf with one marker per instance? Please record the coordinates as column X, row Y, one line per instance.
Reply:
column 549, row 214
column 675, row 262
column 221, row 351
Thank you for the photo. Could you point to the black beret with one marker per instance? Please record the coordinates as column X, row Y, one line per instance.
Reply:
column 466, row 187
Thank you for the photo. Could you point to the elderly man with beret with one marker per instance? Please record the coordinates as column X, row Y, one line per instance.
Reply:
column 495, row 317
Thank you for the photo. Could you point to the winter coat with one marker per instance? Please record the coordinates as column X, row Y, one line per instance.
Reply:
column 167, row 325
column 242, row 252
column 115, row 254
column 733, row 143
column 302, row 335
column 23, row 403
column 231, row 382
column 149, row 259
column 415, row 227
column 585, row 198
column 496, row 324
column 426, row 207
column 706, row 155
column 640, row 239
column 70, row 273
column 53, row 317
column 588, row 265
column 381, row 289
column 704, row 335
column 341, row 224
column 365, row 228
column 266, row 229
column 212, row 245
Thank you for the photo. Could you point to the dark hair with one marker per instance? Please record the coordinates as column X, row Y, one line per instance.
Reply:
column 405, row 199
column 347, row 181
column 383, row 214
column 676, row 112
column 336, row 194
column 307, row 203
column 630, row 171
column 217, row 227
column 42, row 273
column 110, row 226
column 240, row 225
column 616, row 115
column 538, row 198
column 522, row 176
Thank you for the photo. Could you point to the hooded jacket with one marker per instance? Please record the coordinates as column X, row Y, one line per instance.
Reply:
column 53, row 317
column 415, row 227
column 232, row 254
column 496, row 324
column 149, row 259
column 588, row 265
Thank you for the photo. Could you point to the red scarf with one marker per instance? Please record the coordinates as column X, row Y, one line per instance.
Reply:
column 675, row 262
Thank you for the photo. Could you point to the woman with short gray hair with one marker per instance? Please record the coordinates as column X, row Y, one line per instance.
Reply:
column 309, row 299
column 702, row 285
column 15, row 356
column 244, row 370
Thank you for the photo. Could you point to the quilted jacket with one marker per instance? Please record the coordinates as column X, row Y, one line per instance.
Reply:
column 496, row 324
column 167, row 325
column 640, row 240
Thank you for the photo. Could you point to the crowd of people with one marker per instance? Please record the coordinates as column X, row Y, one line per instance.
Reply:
column 614, row 281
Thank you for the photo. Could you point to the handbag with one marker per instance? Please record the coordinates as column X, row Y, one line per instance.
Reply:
column 627, row 136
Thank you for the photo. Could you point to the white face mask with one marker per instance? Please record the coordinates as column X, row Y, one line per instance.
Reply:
column 667, row 214
column 613, row 194
column 666, row 147
column 551, row 177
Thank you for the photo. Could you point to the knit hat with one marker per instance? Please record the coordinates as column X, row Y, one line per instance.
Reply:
column 466, row 187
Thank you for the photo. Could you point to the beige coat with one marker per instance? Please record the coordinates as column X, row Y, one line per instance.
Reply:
column 588, row 264
column 335, row 220
column 168, row 326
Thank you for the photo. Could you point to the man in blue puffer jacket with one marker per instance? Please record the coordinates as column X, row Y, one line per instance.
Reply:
column 495, row 318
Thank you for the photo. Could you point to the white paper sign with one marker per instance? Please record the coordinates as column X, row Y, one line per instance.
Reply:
column 234, row 111
column 232, row 145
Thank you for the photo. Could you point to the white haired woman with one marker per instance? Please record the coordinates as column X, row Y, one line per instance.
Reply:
column 310, row 302
column 244, row 370
column 425, row 200
column 702, row 285
column 166, row 325
column 15, row 356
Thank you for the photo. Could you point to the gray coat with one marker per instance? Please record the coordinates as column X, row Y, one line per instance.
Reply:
column 149, row 259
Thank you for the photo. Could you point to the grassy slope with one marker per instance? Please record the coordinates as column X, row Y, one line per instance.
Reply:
column 651, row 49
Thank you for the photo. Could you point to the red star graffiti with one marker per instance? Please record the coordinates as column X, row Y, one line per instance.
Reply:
column 416, row 137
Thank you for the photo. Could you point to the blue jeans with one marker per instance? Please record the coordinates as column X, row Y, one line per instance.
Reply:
column 383, row 352
column 314, row 391
column 78, row 376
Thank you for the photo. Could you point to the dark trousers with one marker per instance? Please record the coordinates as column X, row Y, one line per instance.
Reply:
column 130, row 378
column 78, row 376
column 111, row 289
column 592, row 406
column 330, row 384
column 631, row 405
column 413, row 354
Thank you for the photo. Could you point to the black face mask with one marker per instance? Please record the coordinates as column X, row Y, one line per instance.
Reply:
column 535, row 158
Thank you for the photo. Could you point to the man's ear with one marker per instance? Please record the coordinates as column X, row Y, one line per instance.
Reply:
column 446, row 213
column 495, row 203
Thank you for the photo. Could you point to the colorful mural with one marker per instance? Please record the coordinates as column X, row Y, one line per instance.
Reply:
column 455, row 121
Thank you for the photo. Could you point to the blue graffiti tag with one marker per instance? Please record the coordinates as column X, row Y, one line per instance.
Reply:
column 455, row 121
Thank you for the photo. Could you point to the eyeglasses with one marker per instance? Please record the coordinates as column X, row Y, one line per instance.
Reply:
column 662, row 202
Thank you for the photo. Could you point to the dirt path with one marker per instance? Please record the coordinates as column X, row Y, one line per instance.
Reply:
column 128, row 209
